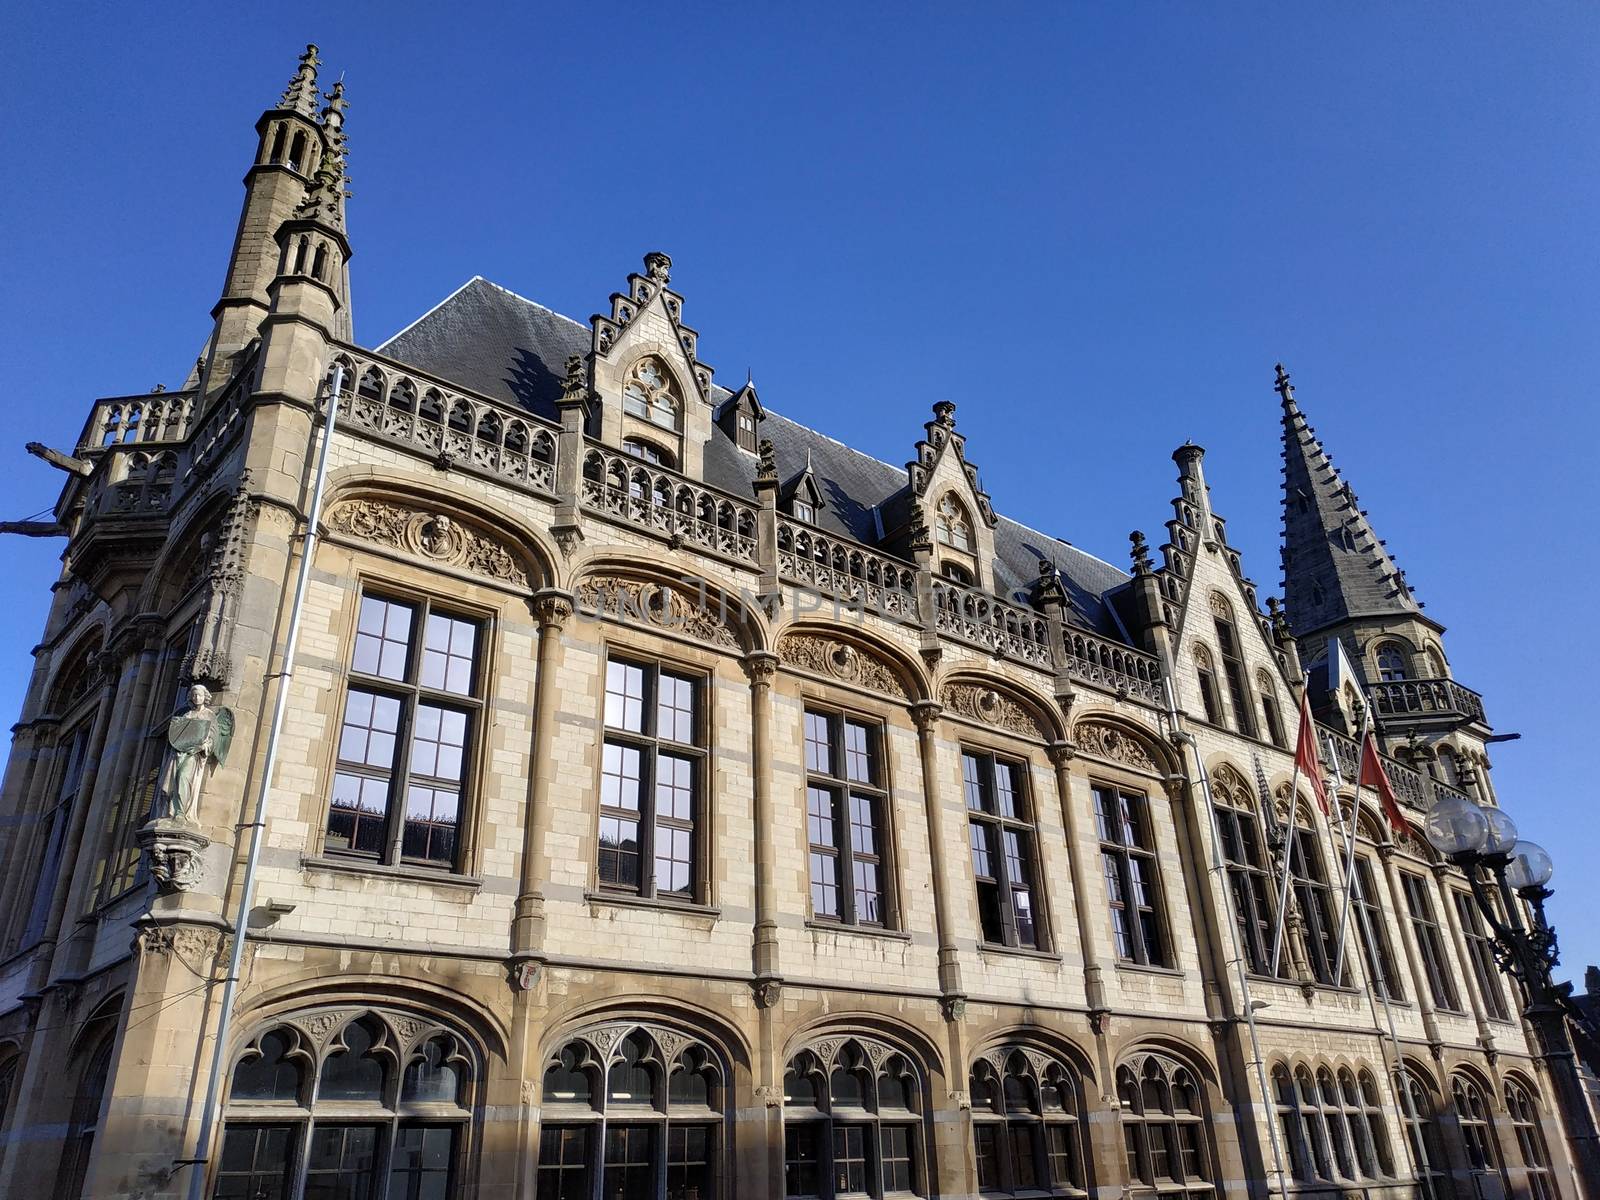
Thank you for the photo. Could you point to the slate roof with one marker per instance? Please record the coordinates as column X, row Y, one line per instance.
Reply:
column 493, row 341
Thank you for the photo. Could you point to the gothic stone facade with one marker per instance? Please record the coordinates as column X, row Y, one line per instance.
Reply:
column 671, row 801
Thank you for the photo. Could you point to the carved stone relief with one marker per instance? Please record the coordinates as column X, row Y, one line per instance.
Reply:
column 838, row 659
column 432, row 536
column 1109, row 742
column 634, row 601
column 990, row 707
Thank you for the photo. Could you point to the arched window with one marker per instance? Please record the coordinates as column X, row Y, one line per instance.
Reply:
column 1270, row 709
column 1391, row 663
column 276, row 153
column 297, row 151
column 852, row 1121
column 1228, row 645
column 649, row 393
column 951, row 524
column 1314, row 897
column 371, row 386
column 1419, row 1111
column 1436, row 667
column 382, row 1103
column 1209, row 696
column 1249, row 881
column 626, row 1107
column 1164, row 1127
column 1025, row 1129
column 1473, row 1116
column 1530, row 1140
column 648, row 451
column 85, row 1125
column 956, row 573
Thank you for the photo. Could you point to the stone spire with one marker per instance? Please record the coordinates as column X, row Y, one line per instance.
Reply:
column 1335, row 568
column 301, row 94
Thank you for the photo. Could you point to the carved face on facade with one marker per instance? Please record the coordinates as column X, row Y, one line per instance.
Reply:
column 199, row 696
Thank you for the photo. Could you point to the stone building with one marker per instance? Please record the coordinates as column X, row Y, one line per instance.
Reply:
column 671, row 801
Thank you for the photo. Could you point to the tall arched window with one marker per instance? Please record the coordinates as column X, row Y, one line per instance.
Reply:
column 1249, row 881
column 1025, row 1129
column 649, row 393
column 334, row 1105
column 951, row 525
column 1391, row 663
column 1314, row 897
column 1473, row 1116
column 1530, row 1140
column 1228, row 645
column 1270, row 709
column 852, row 1121
column 1207, row 676
column 633, row 1110
column 85, row 1125
column 1164, row 1127
column 1419, row 1111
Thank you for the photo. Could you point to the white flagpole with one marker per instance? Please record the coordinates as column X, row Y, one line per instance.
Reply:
column 1350, row 843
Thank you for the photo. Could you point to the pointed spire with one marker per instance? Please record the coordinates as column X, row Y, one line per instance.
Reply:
column 324, row 200
column 301, row 94
column 1335, row 567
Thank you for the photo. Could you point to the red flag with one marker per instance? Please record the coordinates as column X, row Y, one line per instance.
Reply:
column 1373, row 776
column 1305, row 752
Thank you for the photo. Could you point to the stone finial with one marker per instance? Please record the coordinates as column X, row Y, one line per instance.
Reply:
column 1278, row 619
column 658, row 266
column 1048, row 586
column 767, row 470
column 1140, row 553
column 944, row 412
column 1283, row 387
column 301, row 94
column 333, row 114
column 574, row 388
column 921, row 537
column 324, row 199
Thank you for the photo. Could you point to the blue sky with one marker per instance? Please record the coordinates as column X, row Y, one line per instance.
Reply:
column 1094, row 227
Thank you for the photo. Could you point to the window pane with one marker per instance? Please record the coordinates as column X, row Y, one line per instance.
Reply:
column 423, row 1158
column 972, row 784
column 630, row 1151
column 858, row 765
column 868, row 893
column 448, row 646
column 619, row 777
column 674, row 860
column 899, row 1169
column 1024, row 1171
column 438, row 742
column 802, row 1160
column 863, row 825
column 619, row 852
column 564, row 1163
column 269, row 1075
column 357, row 813
column 820, row 804
column 819, row 751
column 675, row 787
column 985, row 1139
column 849, row 1158
column 675, row 709
column 367, row 735
column 353, row 1073
column 254, row 1163
column 341, row 1163
column 824, row 884
column 624, row 696
column 383, row 637
column 1007, row 789
column 432, row 816
column 691, row 1166
column 430, row 1079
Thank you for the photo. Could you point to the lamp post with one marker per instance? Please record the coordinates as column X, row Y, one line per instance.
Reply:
column 1483, row 842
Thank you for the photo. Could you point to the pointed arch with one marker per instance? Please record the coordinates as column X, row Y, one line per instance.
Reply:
column 851, row 656
column 1108, row 734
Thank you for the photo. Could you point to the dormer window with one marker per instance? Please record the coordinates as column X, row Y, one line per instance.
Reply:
column 747, row 437
column 805, row 511
column 649, row 394
column 952, row 526
column 648, row 451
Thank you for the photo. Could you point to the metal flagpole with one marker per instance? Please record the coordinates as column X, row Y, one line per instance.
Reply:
column 1344, row 914
column 1399, row 1078
column 1217, row 868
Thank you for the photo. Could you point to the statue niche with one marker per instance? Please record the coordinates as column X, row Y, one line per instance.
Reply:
column 198, row 739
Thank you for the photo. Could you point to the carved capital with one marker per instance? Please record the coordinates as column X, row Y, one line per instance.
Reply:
column 175, row 850
column 1061, row 754
column 761, row 666
column 552, row 609
column 954, row 1007
column 1100, row 1021
column 767, row 992
column 926, row 714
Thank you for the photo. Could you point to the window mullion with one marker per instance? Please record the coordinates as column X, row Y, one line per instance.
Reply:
column 647, row 816
column 399, row 780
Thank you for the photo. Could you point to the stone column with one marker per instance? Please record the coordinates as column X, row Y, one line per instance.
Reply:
column 552, row 609
column 1061, row 756
column 926, row 714
column 762, row 667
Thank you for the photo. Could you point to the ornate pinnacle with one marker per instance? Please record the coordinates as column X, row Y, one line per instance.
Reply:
column 333, row 115
column 658, row 266
column 575, row 388
column 324, row 199
column 1140, row 553
column 301, row 94
column 1283, row 387
column 1278, row 619
column 944, row 412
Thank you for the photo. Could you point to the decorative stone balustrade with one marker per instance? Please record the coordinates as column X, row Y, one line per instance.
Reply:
column 397, row 404
column 1411, row 787
column 631, row 490
column 1427, row 698
column 846, row 571
column 979, row 619
column 162, row 417
column 1105, row 664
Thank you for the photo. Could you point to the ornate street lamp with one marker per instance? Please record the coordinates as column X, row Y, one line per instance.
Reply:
column 1483, row 842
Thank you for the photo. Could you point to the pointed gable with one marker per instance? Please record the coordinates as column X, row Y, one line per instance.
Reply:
column 1334, row 566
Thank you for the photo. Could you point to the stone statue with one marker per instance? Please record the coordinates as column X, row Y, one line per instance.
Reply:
column 199, row 737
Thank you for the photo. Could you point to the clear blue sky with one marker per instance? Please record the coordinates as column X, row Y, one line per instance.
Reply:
column 1094, row 227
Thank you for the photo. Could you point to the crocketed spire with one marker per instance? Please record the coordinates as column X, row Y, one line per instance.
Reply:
column 1334, row 567
column 324, row 200
column 301, row 94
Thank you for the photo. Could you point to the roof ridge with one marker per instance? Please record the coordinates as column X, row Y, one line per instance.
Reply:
column 394, row 337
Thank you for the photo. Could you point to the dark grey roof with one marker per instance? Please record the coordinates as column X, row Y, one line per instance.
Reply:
column 493, row 341
column 1334, row 566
